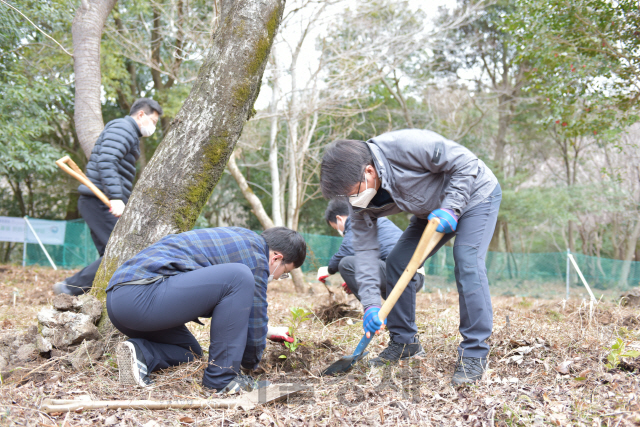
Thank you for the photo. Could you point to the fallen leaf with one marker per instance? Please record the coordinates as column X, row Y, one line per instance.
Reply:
column 517, row 359
column 563, row 368
column 584, row 373
column 523, row 350
column 187, row 420
column 112, row 420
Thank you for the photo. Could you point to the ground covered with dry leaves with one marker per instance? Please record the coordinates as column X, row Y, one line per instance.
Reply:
column 547, row 367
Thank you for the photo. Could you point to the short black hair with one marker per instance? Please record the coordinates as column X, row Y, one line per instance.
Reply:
column 147, row 105
column 343, row 166
column 288, row 242
column 338, row 206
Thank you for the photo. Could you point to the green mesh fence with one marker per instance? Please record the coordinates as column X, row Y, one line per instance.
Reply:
column 541, row 275
column 78, row 249
column 518, row 274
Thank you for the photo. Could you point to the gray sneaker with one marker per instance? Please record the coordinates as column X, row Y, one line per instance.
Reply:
column 396, row 352
column 61, row 288
column 244, row 382
column 132, row 365
column 468, row 370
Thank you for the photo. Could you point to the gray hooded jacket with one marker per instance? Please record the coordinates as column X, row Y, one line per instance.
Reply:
column 422, row 171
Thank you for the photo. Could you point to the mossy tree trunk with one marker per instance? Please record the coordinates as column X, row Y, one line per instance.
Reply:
column 184, row 170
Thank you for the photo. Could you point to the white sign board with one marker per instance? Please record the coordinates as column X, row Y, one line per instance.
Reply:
column 16, row 230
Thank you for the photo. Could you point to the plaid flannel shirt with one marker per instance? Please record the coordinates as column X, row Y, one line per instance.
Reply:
column 188, row 251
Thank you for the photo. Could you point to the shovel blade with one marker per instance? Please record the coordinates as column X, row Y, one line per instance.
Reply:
column 343, row 365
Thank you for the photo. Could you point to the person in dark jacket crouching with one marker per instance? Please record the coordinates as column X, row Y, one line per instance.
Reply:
column 218, row 273
column 423, row 173
column 344, row 261
column 111, row 168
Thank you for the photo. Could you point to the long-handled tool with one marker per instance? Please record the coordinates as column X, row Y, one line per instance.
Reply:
column 70, row 167
column 246, row 402
column 428, row 241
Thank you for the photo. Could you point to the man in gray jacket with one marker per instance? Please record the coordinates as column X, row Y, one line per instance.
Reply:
column 423, row 173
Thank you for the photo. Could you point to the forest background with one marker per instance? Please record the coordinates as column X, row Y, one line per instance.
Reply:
column 545, row 92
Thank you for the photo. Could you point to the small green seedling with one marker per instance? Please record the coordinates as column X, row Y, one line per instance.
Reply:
column 298, row 315
column 618, row 351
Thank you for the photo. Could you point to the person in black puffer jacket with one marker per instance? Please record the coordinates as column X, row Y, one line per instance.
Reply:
column 111, row 168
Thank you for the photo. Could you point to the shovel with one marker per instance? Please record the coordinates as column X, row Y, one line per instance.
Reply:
column 428, row 241
column 70, row 167
column 246, row 402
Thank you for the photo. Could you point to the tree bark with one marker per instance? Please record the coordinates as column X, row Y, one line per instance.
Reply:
column 571, row 236
column 86, row 30
column 629, row 253
column 504, row 120
column 494, row 245
column 254, row 201
column 276, row 195
column 261, row 214
column 189, row 162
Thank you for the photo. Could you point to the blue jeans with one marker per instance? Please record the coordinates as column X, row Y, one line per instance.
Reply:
column 473, row 235
column 154, row 316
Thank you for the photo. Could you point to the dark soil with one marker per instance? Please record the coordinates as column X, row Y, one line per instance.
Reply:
column 631, row 322
column 302, row 359
column 332, row 312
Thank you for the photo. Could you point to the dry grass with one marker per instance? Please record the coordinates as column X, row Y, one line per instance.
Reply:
column 532, row 340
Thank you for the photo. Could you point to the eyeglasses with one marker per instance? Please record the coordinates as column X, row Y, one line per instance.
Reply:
column 284, row 275
column 364, row 179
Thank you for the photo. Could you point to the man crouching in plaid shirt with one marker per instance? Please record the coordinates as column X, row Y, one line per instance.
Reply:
column 221, row 273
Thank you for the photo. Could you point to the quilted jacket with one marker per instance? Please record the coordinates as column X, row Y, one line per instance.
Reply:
column 112, row 165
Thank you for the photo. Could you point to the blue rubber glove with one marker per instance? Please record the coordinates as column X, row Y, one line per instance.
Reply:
column 448, row 220
column 371, row 321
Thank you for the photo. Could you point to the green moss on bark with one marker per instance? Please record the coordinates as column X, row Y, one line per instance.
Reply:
column 263, row 47
column 100, row 283
column 202, row 183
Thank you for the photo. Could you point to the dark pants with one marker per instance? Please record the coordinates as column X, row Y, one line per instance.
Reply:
column 101, row 223
column 347, row 268
column 154, row 317
column 473, row 234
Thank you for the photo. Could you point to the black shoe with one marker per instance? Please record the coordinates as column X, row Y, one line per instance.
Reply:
column 132, row 365
column 395, row 352
column 243, row 382
column 468, row 370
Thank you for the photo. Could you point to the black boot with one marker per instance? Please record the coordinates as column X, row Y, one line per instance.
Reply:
column 468, row 370
column 396, row 352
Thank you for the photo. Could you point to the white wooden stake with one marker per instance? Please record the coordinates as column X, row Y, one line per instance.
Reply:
column 584, row 282
column 39, row 242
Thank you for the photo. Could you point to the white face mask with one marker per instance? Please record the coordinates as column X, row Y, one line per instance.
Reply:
column 362, row 200
column 148, row 130
column 282, row 276
column 340, row 224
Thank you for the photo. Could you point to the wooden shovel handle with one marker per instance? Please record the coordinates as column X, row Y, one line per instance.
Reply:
column 428, row 241
column 49, row 406
column 70, row 167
